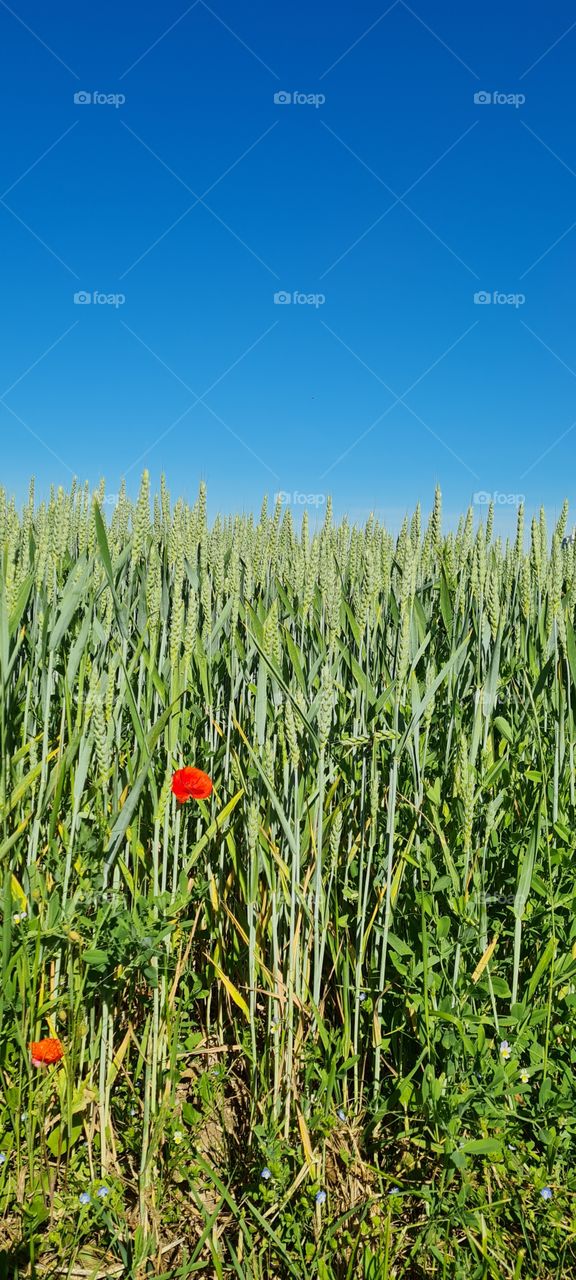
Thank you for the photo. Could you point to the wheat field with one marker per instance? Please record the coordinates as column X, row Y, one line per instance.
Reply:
column 321, row 1022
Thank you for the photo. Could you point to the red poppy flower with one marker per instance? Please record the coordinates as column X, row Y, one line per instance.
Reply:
column 45, row 1052
column 190, row 783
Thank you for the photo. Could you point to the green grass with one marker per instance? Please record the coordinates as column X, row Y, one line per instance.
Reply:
column 313, row 971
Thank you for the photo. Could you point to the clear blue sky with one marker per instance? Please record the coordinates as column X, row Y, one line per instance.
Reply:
column 199, row 197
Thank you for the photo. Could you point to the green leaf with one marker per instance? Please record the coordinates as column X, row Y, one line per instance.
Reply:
column 72, row 595
column 545, row 959
column 95, row 958
column 482, row 1147
column 445, row 602
column 281, row 681
column 503, row 728
column 571, row 648
column 491, row 685
column 59, row 1143
column 22, row 597
column 431, row 691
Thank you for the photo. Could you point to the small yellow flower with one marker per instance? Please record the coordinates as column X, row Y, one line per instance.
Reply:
column 524, row 1076
column 178, row 1137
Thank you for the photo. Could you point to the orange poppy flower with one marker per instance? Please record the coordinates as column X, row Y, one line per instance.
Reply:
column 190, row 783
column 45, row 1052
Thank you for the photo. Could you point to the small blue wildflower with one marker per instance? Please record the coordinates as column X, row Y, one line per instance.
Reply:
column 103, row 1192
column 2, row 1157
column 320, row 1197
column 393, row 1191
column 266, row 1174
column 84, row 1197
column 341, row 1114
column 362, row 995
column 546, row 1193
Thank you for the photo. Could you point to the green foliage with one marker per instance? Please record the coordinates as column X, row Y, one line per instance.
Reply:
column 322, row 1023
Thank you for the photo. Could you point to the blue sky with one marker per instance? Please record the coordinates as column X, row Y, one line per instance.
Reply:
column 199, row 197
